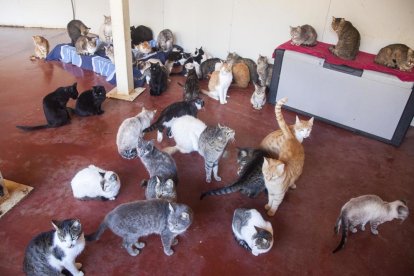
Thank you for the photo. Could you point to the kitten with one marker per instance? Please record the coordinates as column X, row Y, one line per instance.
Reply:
column 281, row 174
column 264, row 71
column 4, row 192
column 76, row 28
column 142, row 50
column 140, row 34
column 90, row 102
column 251, row 231
column 105, row 32
column 86, row 45
column 165, row 40
column 208, row 66
column 364, row 209
column 241, row 75
column 349, row 39
column 109, row 52
column 191, row 86
column 159, row 188
column 396, row 56
column 219, row 83
column 174, row 110
column 50, row 252
column 41, row 47
column 137, row 219
column 95, row 183
column 130, row 130
column 159, row 79
column 235, row 58
column 303, row 35
column 258, row 98
column 54, row 107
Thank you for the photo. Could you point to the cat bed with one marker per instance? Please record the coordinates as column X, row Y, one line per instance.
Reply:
column 98, row 63
column 363, row 60
column 16, row 193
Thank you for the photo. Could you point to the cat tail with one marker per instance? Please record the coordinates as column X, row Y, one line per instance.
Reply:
column 152, row 127
column 95, row 236
column 180, row 84
column 222, row 191
column 30, row 128
column 345, row 224
column 280, row 120
column 210, row 94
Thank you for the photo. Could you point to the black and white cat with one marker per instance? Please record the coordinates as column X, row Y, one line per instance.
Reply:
column 50, row 252
column 251, row 231
column 90, row 102
column 159, row 79
column 54, row 108
column 160, row 188
column 95, row 183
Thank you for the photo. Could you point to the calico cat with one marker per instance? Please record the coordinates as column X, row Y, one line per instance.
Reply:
column 137, row 219
column 208, row 66
column 398, row 56
column 95, row 183
column 159, row 79
column 235, row 58
column 165, row 40
column 303, row 35
column 174, row 110
column 130, row 130
column 264, row 71
column 258, row 98
column 241, row 75
column 349, row 39
column 109, row 52
column 142, row 50
column 105, row 32
column 251, row 231
column 281, row 174
column 90, row 102
column 54, row 107
column 219, row 83
column 50, row 252
column 41, row 47
column 191, row 86
column 76, row 28
column 160, row 188
column 140, row 34
column 86, row 45
column 367, row 208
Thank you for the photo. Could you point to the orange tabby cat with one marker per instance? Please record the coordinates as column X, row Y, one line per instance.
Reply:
column 241, row 75
column 281, row 174
column 41, row 47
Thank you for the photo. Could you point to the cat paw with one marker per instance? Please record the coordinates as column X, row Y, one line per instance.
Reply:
column 112, row 198
column 217, row 178
column 139, row 245
column 374, row 231
column 133, row 252
column 270, row 213
column 80, row 273
column 293, row 186
column 168, row 252
column 208, row 179
column 267, row 207
column 362, row 227
column 78, row 265
column 354, row 230
column 175, row 241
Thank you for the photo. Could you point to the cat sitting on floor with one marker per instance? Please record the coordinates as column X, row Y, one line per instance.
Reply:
column 90, row 102
column 219, row 83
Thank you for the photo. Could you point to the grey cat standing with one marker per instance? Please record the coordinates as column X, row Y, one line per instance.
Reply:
column 264, row 71
column 137, row 219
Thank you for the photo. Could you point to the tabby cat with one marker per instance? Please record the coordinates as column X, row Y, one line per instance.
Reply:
column 90, row 102
column 140, row 34
column 208, row 66
column 165, row 40
column 258, row 98
column 137, row 219
column 264, row 71
column 41, row 47
column 54, row 107
column 50, row 252
column 76, row 28
column 367, row 208
column 303, row 35
column 235, row 58
column 241, row 75
column 349, row 39
column 396, row 56
column 191, row 86
column 105, row 32
column 109, row 52
column 219, row 83
column 86, row 45
column 159, row 79
column 160, row 188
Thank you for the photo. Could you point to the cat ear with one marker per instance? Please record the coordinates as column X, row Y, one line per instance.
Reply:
column 170, row 207
column 102, row 174
column 143, row 109
column 258, row 229
column 311, row 121
column 265, row 161
column 158, row 180
column 56, row 224
column 297, row 120
column 280, row 168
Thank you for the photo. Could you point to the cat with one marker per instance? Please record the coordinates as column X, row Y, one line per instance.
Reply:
column 90, row 102
column 165, row 40
column 50, row 252
column 241, row 75
column 264, row 71
column 303, row 35
column 137, row 219
column 144, row 68
column 159, row 79
column 130, row 130
column 219, row 83
column 281, row 174
column 258, row 98
column 54, row 108
column 191, row 86
column 95, row 183
column 86, row 45
column 208, row 66
column 235, row 58
column 174, row 110
column 273, row 141
column 251, row 231
column 367, row 208
column 349, row 39
column 75, row 29
column 105, row 32
column 109, row 52
column 159, row 188
column 4, row 192
column 41, row 47
column 398, row 56
column 140, row 34
column 200, row 55
column 142, row 50
column 191, row 63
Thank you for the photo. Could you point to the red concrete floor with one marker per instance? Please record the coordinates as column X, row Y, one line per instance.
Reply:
column 339, row 165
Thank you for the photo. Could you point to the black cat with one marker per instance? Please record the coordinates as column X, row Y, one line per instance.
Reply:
column 191, row 86
column 159, row 79
column 89, row 102
column 140, row 34
column 54, row 107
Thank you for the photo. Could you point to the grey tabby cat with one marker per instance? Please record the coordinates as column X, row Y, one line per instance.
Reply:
column 398, row 56
column 258, row 98
column 51, row 252
column 235, row 58
column 264, row 71
column 86, row 45
column 211, row 145
column 349, row 39
column 303, row 35
column 159, row 187
column 165, row 40
column 75, row 29
column 137, row 219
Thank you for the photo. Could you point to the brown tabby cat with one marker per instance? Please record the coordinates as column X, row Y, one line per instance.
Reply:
column 396, row 56
column 348, row 39
column 41, row 47
column 281, row 174
column 241, row 75
column 86, row 45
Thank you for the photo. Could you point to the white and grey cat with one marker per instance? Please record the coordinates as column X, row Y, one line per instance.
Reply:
column 50, row 252
column 161, row 188
column 95, row 183
column 303, row 35
column 264, row 71
column 141, row 218
column 258, row 98
column 130, row 130
column 252, row 231
column 86, row 45
column 360, row 210
column 105, row 32
column 165, row 40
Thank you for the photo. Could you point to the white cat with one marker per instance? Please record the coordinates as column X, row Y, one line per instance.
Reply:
column 95, row 183
column 219, row 83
